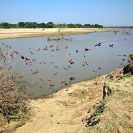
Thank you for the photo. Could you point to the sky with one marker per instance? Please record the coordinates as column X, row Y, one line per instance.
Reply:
column 103, row 12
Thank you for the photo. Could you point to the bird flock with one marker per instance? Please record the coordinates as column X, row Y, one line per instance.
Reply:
column 29, row 61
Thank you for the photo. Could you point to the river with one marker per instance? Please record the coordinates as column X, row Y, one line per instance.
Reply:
column 52, row 66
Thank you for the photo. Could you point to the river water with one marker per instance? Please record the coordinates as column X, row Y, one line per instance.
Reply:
column 52, row 66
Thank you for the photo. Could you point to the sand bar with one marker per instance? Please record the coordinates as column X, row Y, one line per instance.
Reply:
column 19, row 33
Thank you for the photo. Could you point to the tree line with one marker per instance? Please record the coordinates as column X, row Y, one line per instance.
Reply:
column 118, row 26
column 6, row 25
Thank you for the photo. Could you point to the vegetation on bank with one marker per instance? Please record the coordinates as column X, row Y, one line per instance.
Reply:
column 7, row 25
column 116, row 115
column 14, row 101
column 118, row 26
column 129, row 68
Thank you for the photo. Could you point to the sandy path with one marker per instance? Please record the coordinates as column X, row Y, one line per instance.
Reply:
column 62, row 112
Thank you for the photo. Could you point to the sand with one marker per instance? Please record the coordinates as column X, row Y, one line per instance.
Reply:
column 66, row 111
column 18, row 33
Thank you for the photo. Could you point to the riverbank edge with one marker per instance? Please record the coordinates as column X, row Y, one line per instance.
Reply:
column 26, row 33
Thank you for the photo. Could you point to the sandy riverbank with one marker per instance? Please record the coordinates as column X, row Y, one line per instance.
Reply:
column 67, row 110
column 18, row 33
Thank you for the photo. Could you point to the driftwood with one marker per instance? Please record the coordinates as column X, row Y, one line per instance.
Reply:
column 58, row 38
column 126, row 32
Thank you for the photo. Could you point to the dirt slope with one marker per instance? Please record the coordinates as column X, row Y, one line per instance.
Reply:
column 68, row 110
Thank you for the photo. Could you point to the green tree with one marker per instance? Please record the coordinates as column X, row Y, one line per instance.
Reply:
column 59, row 25
column 13, row 26
column 50, row 25
column 78, row 25
column 87, row 26
column 31, row 25
column 21, row 24
column 42, row 25
column 71, row 25
column 5, row 25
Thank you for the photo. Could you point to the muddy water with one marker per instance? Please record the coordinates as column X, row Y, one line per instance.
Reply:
column 57, row 68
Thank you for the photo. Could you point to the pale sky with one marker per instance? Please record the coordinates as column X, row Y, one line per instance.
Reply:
column 103, row 12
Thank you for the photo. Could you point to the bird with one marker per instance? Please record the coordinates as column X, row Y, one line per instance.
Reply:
column 22, row 57
column 52, row 50
column 21, row 76
column 68, row 66
column 42, row 62
column 45, row 48
column 55, row 73
column 31, row 52
column 99, row 68
column 51, row 85
column 99, row 44
column 26, row 59
column 38, row 49
column 85, row 63
column 16, row 52
column 67, row 47
column 71, row 62
column 72, row 78
column 111, row 45
column 56, row 67
column 63, row 82
column 34, row 60
column 86, row 49
column 35, row 72
column 51, row 46
column 41, row 79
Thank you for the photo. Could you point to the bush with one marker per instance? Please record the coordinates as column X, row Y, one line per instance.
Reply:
column 14, row 102
column 100, row 108
column 131, row 56
column 129, row 68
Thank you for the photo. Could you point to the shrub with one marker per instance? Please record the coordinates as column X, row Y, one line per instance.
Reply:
column 100, row 108
column 129, row 68
column 14, row 102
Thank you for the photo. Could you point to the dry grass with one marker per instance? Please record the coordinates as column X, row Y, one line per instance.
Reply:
column 14, row 102
column 117, row 116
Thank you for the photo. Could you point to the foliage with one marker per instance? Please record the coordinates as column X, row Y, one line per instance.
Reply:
column 5, row 25
column 42, row 25
column 50, row 25
column 31, row 25
column 100, row 108
column 13, row 94
column 47, row 25
column 131, row 56
column 21, row 25
column 129, row 67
